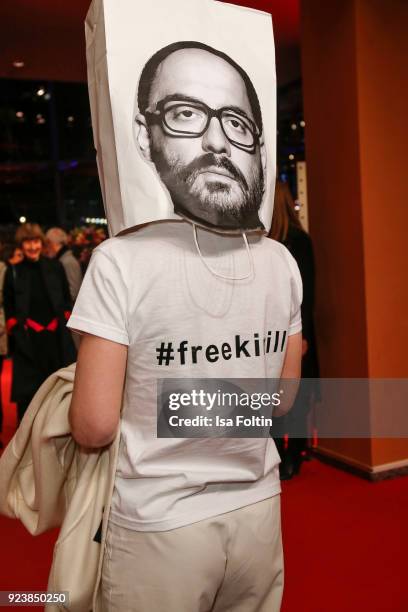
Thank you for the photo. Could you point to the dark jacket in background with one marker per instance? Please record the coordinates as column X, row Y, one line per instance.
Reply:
column 300, row 246
column 36, row 355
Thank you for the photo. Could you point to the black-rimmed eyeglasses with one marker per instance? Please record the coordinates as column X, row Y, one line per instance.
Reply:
column 187, row 119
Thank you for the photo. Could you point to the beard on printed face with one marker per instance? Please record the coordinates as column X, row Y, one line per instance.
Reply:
column 212, row 189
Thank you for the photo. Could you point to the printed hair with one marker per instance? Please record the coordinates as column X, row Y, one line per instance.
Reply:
column 150, row 69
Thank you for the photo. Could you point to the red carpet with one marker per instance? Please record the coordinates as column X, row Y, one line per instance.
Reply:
column 25, row 560
column 345, row 540
column 9, row 416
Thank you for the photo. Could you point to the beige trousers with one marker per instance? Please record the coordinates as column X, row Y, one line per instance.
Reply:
column 229, row 563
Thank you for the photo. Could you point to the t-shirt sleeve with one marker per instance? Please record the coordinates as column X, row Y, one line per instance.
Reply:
column 101, row 306
column 295, row 324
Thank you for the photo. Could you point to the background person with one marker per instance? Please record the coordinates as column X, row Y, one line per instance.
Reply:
column 57, row 246
column 37, row 304
column 287, row 229
column 12, row 254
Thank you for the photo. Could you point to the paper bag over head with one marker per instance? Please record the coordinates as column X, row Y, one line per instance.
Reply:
column 183, row 104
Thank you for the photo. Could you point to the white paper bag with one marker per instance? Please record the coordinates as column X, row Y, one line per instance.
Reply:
column 202, row 147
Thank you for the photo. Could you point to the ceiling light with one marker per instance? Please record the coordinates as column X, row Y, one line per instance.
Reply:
column 41, row 91
column 293, row 126
column 291, row 156
column 18, row 64
column 302, row 123
column 22, row 219
column 20, row 115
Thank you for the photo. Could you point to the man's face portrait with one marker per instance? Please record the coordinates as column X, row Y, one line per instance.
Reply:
column 202, row 133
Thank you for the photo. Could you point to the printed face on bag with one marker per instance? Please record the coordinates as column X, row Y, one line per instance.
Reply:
column 200, row 124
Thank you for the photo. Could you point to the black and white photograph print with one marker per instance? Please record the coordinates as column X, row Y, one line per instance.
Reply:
column 199, row 123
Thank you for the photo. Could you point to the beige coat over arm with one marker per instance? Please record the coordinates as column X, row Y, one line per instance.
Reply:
column 47, row 480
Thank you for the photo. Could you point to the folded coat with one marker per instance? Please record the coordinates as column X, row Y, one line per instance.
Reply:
column 47, row 480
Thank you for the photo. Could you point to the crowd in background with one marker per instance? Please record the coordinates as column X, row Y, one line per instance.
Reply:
column 40, row 277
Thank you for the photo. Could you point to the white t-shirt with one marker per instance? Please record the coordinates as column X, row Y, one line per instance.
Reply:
column 151, row 287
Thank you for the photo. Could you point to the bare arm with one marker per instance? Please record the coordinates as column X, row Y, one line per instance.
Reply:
column 292, row 371
column 97, row 397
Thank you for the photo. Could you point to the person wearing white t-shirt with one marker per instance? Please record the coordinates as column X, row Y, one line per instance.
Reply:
column 169, row 301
